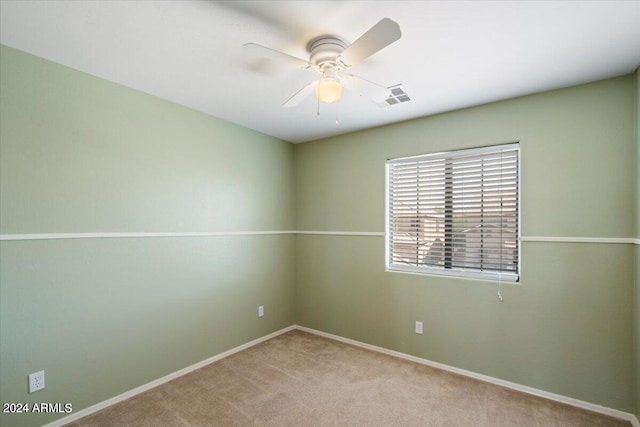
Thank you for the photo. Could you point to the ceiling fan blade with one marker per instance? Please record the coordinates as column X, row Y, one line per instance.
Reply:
column 300, row 95
column 373, row 91
column 378, row 37
column 267, row 52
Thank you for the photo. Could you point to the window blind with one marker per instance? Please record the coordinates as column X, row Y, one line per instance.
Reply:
column 455, row 213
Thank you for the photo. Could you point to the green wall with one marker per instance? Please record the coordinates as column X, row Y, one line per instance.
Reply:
column 636, row 338
column 103, row 316
column 566, row 327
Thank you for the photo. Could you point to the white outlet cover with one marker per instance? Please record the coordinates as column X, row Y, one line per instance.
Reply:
column 261, row 311
column 36, row 381
column 419, row 328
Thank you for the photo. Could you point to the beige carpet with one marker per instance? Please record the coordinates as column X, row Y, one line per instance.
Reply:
column 299, row 379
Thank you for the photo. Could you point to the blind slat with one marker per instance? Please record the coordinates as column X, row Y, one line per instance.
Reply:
column 456, row 210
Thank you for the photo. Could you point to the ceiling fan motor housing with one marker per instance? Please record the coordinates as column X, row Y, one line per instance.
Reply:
column 325, row 51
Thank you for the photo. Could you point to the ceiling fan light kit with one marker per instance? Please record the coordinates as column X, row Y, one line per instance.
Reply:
column 330, row 56
column 329, row 89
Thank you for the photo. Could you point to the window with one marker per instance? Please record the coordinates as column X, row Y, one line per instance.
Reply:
column 455, row 213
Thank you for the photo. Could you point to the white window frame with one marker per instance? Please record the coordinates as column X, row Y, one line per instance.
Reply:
column 455, row 272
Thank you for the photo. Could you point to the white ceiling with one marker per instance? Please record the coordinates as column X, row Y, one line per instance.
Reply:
column 451, row 55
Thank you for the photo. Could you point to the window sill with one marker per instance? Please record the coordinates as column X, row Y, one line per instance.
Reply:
column 459, row 274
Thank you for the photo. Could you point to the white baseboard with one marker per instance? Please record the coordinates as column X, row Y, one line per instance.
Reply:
column 126, row 395
column 507, row 384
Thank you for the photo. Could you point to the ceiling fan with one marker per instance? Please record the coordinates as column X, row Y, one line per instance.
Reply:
column 330, row 57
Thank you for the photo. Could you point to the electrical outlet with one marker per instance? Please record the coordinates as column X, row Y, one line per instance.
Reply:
column 419, row 328
column 36, row 381
column 261, row 311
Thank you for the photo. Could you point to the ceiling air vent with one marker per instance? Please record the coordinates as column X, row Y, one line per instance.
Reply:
column 397, row 96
